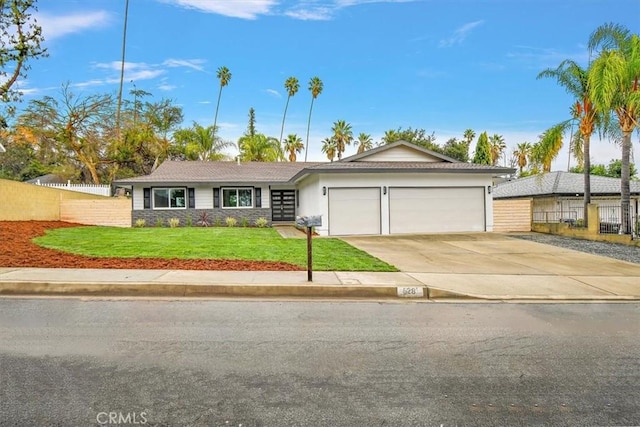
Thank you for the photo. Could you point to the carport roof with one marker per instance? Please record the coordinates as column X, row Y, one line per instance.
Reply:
column 560, row 184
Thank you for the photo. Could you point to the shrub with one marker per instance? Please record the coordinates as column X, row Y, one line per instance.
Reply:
column 217, row 222
column 244, row 222
column 203, row 219
column 189, row 220
column 174, row 222
column 231, row 221
column 261, row 222
column 159, row 222
column 140, row 222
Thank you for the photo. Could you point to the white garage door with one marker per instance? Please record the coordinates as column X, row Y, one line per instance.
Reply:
column 354, row 211
column 436, row 210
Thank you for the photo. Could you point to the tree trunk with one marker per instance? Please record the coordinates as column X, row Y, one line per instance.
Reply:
column 625, row 203
column 284, row 116
column 587, row 177
column 306, row 147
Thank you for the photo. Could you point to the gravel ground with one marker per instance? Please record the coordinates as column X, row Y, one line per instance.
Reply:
column 611, row 250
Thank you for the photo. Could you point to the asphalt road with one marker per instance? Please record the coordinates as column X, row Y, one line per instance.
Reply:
column 231, row 363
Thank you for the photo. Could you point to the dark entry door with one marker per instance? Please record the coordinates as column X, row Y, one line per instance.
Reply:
column 283, row 205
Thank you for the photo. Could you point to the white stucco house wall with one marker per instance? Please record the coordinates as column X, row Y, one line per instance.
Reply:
column 398, row 188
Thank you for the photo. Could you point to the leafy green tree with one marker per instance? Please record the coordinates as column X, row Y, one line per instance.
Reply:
column 292, row 86
column 79, row 127
column 482, row 154
column 614, row 86
column 20, row 39
column 330, row 148
column 315, row 87
column 612, row 170
column 413, row 136
column 458, row 150
column 364, row 142
column 293, row 145
column 224, row 76
column 201, row 143
column 342, row 135
column 163, row 118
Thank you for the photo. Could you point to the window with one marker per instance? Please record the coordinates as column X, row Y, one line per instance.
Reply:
column 237, row 197
column 169, row 198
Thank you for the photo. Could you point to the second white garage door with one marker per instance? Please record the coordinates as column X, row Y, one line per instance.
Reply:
column 436, row 210
column 354, row 211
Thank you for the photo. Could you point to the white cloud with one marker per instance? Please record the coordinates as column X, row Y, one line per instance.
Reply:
column 244, row 9
column 274, row 93
column 460, row 34
column 311, row 14
column 537, row 57
column 195, row 64
column 59, row 26
column 166, row 87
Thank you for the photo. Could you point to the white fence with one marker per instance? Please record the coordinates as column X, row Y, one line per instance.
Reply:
column 99, row 190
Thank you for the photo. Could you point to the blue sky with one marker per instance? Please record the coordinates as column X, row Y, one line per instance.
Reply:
column 440, row 65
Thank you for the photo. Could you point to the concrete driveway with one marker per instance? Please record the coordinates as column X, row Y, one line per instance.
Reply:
column 494, row 264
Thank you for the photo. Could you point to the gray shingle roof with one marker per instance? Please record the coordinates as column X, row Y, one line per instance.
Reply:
column 382, row 167
column 226, row 172
column 559, row 183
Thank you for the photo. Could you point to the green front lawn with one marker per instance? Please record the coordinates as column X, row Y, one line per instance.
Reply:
column 255, row 244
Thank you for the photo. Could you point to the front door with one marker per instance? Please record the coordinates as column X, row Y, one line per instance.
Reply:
column 283, row 205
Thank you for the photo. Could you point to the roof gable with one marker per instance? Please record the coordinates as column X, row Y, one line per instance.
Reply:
column 399, row 151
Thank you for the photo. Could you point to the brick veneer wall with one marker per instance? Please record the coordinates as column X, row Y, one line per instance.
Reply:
column 151, row 216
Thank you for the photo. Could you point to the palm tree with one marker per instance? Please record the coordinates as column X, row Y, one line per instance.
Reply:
column 315, row 87
column 224, row 75
column 292, row 86
column 522, row 153
column 497, row 145
column 364, row 142
column 329, row 147
column 259, row 148
column 614, row 81
column 548, row 146
column 343, row 135
column 575, row 81
column 201, row 143
column 293, row 145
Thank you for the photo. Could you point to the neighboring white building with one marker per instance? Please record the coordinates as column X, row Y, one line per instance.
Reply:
column 398, row 188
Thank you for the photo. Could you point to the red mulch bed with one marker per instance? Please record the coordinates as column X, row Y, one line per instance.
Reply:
column 17, row 250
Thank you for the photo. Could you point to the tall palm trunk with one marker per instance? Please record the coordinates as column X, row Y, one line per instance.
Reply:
column 625, row 203
column 587, row 177
column 215, row 119
column 284, row 116
column 306, row 147
column 124, row 46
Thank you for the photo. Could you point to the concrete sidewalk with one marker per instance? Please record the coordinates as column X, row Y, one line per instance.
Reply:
column 421, row 286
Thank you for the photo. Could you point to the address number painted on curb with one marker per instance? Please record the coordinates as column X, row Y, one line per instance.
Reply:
column 410, row 291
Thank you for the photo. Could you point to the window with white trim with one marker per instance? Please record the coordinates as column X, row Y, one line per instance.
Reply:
column 169, row 198
column 237, row 197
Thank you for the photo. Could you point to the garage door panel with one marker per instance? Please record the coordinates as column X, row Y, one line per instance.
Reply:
column 436, row 210
column 354, row 211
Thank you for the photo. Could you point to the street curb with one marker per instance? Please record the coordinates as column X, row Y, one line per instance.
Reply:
column 191, row 290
